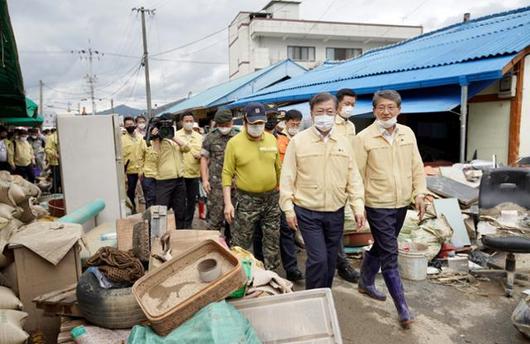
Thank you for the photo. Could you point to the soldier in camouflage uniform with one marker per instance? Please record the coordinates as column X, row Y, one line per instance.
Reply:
column 252, row 158
column 212, row 157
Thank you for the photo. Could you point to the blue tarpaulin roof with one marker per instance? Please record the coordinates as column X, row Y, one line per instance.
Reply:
column 241, row 87
column 463, row 53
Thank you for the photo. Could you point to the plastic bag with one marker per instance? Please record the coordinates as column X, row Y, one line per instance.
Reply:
column 217, row 323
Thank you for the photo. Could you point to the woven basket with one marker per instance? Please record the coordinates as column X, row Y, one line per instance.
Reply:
column 231, row 280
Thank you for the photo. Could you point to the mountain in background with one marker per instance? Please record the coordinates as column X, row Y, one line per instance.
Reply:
column 122, row 110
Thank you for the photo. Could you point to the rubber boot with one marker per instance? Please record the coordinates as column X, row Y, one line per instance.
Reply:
column 395, row 288
column 369, row 268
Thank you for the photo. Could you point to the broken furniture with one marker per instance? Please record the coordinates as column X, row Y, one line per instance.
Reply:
column 506, row 185
column 511, row 245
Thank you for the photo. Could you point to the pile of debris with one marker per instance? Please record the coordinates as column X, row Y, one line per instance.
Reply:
column 149, row 283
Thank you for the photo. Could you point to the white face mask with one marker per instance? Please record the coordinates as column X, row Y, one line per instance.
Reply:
column 388, row 123
column 224, row 130
column 293, row 131
column 255, row 130
column 188, row 126
column 23, row 138
column 324, row 122
column 346, row 111
column 141, row 126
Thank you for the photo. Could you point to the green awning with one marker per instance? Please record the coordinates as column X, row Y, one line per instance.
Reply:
column 22, row 121
column 12, row 99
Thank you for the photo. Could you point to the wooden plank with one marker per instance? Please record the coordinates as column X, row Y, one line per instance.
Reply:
column 515, row 115
column 448, row 187
column 124, row 229
column 56, row 294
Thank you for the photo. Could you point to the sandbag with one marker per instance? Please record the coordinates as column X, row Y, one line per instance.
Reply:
column 8, row 300
column 7, row 228
column 8, row 212
column 5, row 195
column 11, row 323
column 29, row 189
column 5, row 176
column 217, row 323
column 30, row 210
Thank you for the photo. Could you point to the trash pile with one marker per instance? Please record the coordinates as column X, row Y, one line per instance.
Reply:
column 478, row 214
column 145, row 283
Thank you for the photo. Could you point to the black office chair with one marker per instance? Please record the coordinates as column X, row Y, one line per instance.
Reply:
column 499, row 186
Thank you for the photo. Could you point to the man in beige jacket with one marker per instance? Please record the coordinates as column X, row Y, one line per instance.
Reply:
column 319, row 177
column 391, row 167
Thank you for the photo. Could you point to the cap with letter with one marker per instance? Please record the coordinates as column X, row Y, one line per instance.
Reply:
column 255, row 112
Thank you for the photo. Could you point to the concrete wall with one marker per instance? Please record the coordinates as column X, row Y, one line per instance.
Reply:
column 277, row 48
column 524, row 146
column 258, row 43
column 488, row 130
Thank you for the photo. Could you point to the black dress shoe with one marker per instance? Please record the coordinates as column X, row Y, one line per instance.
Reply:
column 295, row 275
column 348, row 273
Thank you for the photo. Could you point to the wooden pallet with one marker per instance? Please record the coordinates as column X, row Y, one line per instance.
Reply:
column 59, row 302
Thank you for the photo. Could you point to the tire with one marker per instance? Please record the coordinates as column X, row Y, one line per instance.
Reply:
column 108, row 308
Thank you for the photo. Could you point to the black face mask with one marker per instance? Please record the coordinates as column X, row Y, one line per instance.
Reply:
column 130, row 129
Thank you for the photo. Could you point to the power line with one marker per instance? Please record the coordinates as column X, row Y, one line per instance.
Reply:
column 190, row 43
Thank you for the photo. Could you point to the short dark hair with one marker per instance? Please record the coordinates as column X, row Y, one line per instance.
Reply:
column 345, row 92
column 128, row 118
column 321, row 98
column 293, row 115
column 140, row 117
column 2, row 129
column 186, row 114
column 388, row 95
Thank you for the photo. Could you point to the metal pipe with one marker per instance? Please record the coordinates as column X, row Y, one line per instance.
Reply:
column 85, row 213
column 463, row 122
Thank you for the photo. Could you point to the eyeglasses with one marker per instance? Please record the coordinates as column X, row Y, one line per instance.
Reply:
column 382, row 108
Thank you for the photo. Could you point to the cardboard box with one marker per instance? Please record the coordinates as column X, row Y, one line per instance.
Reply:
column 35, row 276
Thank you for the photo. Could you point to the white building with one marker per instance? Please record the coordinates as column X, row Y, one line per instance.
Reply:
column 259, row 39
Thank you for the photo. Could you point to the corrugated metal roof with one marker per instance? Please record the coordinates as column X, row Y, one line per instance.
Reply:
column 463, row 49
column 473, row 71
column 221, row 92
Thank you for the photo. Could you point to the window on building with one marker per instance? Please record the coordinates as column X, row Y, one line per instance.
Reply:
column 301, row 53
column 338, row 54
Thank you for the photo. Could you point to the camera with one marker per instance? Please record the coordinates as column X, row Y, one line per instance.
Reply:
column 165, row 125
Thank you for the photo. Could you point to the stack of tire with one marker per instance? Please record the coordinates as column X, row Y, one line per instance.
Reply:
column 11, row 318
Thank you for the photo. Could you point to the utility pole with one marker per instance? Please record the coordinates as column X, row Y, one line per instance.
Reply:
column 89, row 55
column 112, row 104
column 145, row 59
column 41, row 100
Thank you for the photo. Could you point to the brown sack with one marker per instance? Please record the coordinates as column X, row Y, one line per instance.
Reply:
column 11, row 323
column 8, row 300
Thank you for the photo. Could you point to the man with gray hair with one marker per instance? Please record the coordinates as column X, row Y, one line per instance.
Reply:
column 390, row 164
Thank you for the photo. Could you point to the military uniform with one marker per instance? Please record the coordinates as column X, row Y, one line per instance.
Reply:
column 256, row 166
column 213, row 148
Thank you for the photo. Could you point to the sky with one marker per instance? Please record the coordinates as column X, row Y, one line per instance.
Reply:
column 49, row 38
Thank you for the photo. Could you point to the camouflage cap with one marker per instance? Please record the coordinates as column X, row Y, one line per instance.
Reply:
column 222, row 116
